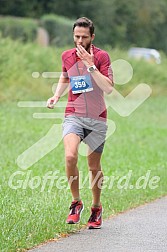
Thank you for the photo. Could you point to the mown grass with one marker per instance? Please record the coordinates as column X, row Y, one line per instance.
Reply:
column 31, row 216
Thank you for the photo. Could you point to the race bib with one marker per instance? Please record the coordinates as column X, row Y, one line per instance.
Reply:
column 81, row 84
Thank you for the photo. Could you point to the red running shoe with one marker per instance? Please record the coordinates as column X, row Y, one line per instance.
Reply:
column 95, row 220
column 76, row 209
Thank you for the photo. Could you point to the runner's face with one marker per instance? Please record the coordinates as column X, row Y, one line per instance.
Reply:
column 82, row 37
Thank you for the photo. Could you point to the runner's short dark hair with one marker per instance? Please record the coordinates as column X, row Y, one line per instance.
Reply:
column 84, row 22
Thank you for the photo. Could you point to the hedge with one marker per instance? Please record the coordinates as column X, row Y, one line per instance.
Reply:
column 24, row 29
column 59, row 29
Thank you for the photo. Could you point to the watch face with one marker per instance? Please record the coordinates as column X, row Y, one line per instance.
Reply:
column 91, row 69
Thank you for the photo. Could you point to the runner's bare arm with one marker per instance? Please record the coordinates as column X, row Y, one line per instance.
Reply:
column 61, row 87
column 102, row 81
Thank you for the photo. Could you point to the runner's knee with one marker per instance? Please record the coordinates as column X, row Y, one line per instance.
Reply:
column 94, row 167
column 71, row 159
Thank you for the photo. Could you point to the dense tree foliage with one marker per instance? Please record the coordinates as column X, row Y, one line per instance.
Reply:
column 118, row 23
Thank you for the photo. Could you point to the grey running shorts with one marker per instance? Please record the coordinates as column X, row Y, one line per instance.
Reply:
column 91, row 131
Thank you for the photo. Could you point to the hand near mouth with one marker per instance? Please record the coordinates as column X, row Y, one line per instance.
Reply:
column 87, row 58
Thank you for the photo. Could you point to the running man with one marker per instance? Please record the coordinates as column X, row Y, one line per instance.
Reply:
column 88, row 74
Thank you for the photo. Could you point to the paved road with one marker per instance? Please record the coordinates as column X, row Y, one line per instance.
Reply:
column 143, row 229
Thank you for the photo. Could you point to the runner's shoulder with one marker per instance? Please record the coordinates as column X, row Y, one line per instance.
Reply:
column 68, row 53
column 101, row 54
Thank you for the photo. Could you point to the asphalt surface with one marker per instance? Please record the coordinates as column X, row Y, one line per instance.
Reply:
column 143, row 229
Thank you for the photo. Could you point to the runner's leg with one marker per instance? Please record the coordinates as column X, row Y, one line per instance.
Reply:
column 71, row 144
column 96, row 176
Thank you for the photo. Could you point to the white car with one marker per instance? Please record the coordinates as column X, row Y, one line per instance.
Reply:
column 148, row 54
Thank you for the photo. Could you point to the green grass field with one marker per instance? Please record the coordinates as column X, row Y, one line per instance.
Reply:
column 33, row 212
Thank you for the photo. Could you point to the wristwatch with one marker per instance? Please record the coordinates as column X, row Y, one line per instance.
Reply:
column 91, row 69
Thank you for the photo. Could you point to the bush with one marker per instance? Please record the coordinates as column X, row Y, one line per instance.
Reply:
column 24, row 29
column 59, row 29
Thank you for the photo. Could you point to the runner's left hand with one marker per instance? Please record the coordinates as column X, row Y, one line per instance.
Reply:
column 87, row 58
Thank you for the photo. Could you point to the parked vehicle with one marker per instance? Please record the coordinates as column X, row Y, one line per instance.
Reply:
column 148, row 54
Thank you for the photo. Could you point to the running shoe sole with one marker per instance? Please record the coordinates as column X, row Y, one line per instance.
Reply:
column 92, row 227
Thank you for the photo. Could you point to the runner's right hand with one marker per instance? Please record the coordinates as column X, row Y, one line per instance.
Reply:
column 52, row 101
